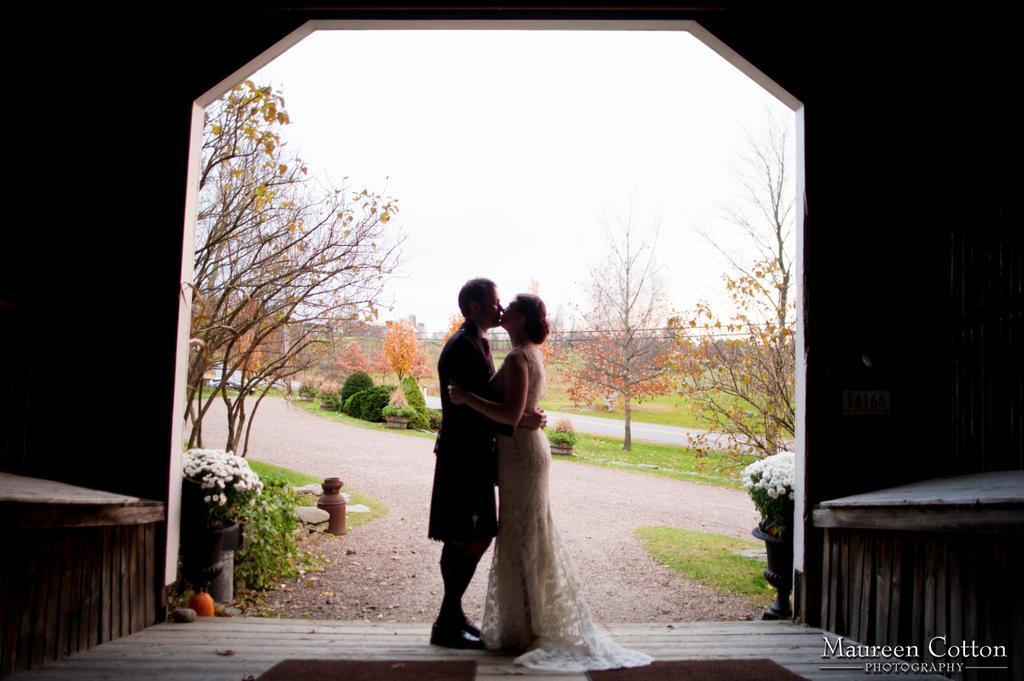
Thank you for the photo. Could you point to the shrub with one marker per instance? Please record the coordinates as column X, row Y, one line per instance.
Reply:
column 330, row 401
column 357, row 382
column 435, row 418
column 308, row 390
column 399, row 407
column 328, row 387
column 563, row 433
column 391, row 411
column 562, row 438
column 413, row 393
column 354, row 404
column 398, row 401
column 374, row 400
column 414, row 396
column 270, row 551
column 418, row 421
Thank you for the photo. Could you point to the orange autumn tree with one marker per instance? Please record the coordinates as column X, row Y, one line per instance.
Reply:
column 378, row 363
column 402, row 351
column 620, row 357
column 421, row 368
column 455, row 323
column 425, row 370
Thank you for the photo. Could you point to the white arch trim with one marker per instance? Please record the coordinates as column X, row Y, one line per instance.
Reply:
column 296, row 36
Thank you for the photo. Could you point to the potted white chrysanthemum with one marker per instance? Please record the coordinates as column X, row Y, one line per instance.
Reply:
column 216, row 487
column 226, row 484
column 770, row 482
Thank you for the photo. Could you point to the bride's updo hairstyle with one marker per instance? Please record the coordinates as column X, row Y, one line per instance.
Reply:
column 532, row 307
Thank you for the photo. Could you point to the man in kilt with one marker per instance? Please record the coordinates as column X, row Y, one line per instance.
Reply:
column 463, row 513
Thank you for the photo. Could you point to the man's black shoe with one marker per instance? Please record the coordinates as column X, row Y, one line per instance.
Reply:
column 470, row 627
column 454, row 637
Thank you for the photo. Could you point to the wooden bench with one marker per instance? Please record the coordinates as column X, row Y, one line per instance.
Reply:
column 939, row 557
column 79, row 569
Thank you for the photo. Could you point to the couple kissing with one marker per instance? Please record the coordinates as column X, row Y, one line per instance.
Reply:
column 492, row 433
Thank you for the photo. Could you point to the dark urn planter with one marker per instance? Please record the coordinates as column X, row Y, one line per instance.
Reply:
column 779, row 572
column 201, row 559
column 201, row 546
column 222, row 587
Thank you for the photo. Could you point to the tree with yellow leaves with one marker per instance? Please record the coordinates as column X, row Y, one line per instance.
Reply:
column 402, row 351
column 455, row 323
column 739, row 369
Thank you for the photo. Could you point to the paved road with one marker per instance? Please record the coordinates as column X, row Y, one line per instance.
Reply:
column 595, row 425
column 392, row 571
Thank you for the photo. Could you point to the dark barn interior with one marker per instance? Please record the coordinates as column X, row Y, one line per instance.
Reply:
column 913, row 257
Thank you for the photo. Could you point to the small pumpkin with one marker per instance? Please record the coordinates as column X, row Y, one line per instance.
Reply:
column 202, row 603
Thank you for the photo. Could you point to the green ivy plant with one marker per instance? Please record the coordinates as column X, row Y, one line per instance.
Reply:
column 271, row 550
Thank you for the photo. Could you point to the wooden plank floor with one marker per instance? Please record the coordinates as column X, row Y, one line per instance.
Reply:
column 190, row 652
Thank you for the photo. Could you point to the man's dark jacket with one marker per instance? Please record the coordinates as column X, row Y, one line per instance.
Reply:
column 462, row 502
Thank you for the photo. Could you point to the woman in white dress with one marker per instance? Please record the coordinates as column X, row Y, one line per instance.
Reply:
column 535, row 604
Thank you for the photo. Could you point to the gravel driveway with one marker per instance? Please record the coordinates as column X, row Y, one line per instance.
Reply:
column 388, row 570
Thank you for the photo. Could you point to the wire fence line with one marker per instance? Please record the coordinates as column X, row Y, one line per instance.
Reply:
column 666, row 333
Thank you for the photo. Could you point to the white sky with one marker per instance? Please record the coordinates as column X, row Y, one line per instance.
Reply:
column 506, row 150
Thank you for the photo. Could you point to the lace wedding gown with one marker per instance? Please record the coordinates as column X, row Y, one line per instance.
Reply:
column 535, row 602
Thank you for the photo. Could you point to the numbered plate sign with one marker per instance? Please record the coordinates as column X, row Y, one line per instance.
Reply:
column 866, row 403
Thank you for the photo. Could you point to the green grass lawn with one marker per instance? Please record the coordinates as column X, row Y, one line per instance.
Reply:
column 711, row 560
column 314, row 408
column 268, row 471
column 665, row 460
column 667, row 410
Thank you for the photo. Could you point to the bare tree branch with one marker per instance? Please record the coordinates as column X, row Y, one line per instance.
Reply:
column 280, row 262
column 623, row 359
column 744, row 384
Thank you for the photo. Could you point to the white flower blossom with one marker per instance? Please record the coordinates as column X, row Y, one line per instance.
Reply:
column 774, row 474
column 772, row 477
column 229, row 476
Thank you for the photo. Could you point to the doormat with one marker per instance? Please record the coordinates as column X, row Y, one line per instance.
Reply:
column 371, row 670
column 700, row 670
